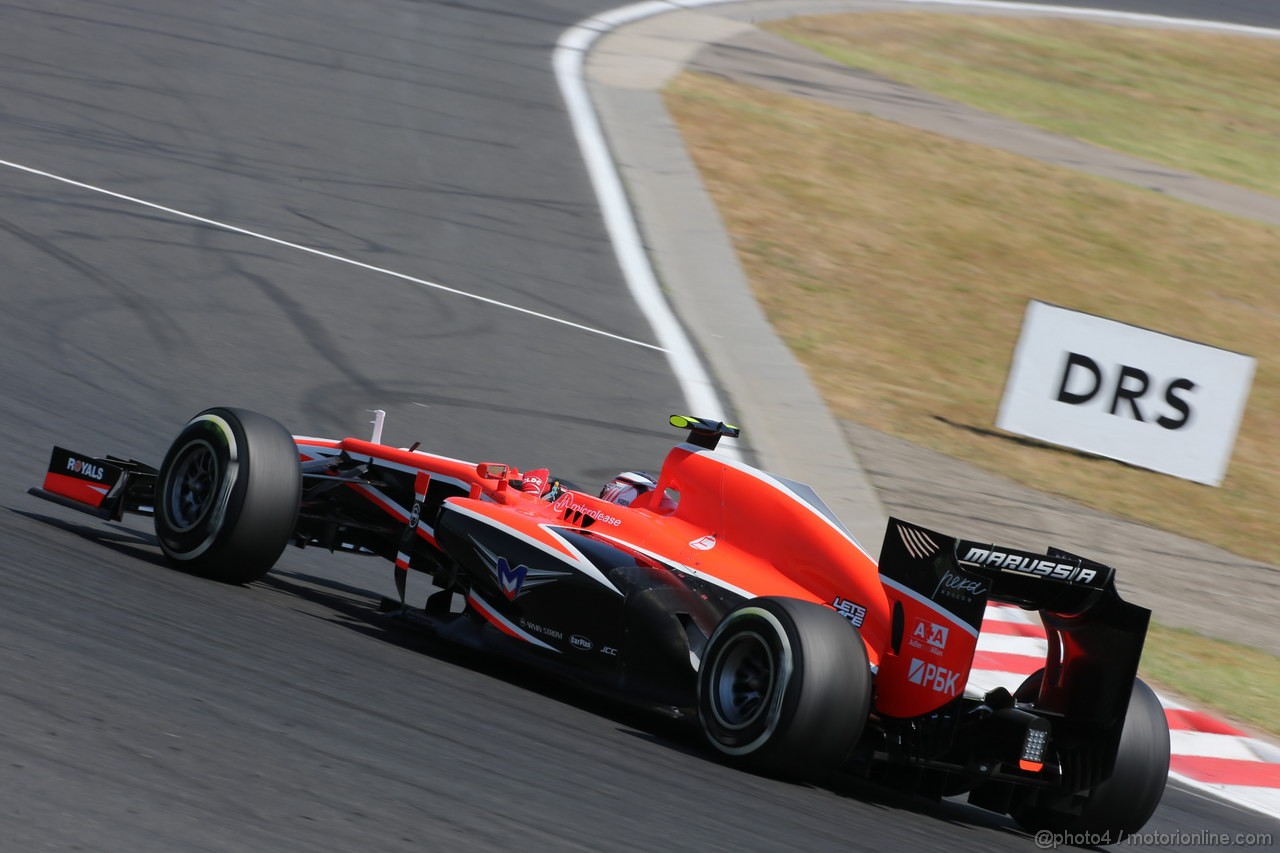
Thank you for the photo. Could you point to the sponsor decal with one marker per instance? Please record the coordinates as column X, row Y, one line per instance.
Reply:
column 580, row 642
column 918, row 543
column 515, row 582
column 939, row 679
column 538, row 629
column 705, row 543
column 928, row 636
column 85, row 469
column 609, row 650
column 510, row 580
column 1127, row 393
column 1131, row 385
column 855, row 613
column 578, row 513
column 959, row 587
column 1029, row 564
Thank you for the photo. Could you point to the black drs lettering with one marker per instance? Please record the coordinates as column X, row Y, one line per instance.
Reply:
column 1131, row 393
column 1074, row 360
column 1083, row 379
column 1183, row 407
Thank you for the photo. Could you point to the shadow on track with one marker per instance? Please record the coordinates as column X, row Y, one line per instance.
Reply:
column 357, row 609
column 122, row 540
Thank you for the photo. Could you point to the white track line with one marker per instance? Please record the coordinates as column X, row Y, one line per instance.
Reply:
column 569, row 60
column 257, row 235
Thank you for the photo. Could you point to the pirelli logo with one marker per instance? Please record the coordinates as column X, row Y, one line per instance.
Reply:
column 1027, row 564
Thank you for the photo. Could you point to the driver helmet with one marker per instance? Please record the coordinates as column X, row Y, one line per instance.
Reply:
column 627, row 486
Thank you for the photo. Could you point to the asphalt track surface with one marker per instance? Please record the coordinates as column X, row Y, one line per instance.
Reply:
column 143, row 709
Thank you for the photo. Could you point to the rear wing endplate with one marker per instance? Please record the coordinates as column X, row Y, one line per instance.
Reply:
column 1095, row 638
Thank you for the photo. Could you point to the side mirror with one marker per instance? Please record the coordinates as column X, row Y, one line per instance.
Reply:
column 492, row 471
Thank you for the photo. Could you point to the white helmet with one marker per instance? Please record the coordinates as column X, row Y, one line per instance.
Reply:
column 627, row 486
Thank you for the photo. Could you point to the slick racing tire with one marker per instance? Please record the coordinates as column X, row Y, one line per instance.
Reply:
column 1123, row 803
column 784, row 687
column 227, row 495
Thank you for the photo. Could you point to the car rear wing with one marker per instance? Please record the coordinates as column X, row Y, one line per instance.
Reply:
column 1094, row 637
column 105, row 487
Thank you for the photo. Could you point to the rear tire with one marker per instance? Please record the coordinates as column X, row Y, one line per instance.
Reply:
column 227, row 495
column 784, row 687
column 1123, row 803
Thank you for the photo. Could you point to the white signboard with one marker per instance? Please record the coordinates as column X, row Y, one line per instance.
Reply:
column 1127, row 393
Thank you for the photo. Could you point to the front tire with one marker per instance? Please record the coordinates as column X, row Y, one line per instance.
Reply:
column 784, row 687
column 227, row 495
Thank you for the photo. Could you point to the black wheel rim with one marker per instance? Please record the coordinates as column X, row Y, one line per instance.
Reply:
column 193, row 486
column 742, row 680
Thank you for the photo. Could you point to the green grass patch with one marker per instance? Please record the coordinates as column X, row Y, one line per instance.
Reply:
column 1242, row 682
column 1201, row 102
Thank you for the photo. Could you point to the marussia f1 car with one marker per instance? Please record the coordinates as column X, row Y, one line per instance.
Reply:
column 722, row 594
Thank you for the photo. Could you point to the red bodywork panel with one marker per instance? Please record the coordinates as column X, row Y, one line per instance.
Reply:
column 713, row 531
column 81, row 478
column 731, row 524
column 75, row 488
column 933, row 660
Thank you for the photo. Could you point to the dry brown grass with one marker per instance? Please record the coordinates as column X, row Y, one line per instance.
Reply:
column 898, row 265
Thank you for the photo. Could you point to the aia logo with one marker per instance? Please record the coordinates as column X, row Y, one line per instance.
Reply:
column 510, row 580
column 930, row 636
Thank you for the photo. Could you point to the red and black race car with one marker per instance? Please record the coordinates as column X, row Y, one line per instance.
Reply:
column 713, row 591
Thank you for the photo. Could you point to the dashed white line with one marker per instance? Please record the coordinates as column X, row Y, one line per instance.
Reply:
column 258, row 235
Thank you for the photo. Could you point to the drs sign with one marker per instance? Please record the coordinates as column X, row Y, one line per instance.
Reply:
column 1131, row 394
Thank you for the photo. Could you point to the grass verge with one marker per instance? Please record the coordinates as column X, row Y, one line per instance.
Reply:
column 1201, row 102
column 898, row 264
column 1241, row 682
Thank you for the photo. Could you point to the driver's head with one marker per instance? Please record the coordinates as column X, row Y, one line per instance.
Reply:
column 627, row 486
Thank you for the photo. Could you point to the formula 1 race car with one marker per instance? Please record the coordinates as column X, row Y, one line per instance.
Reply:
column 714, row 592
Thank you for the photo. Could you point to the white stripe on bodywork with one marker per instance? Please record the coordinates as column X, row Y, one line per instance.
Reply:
column 326, row 450
column 667, row 561
column 373, row 490
column 930, row 603
column 574, row 558
column 489, row 611
column 410, row 469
